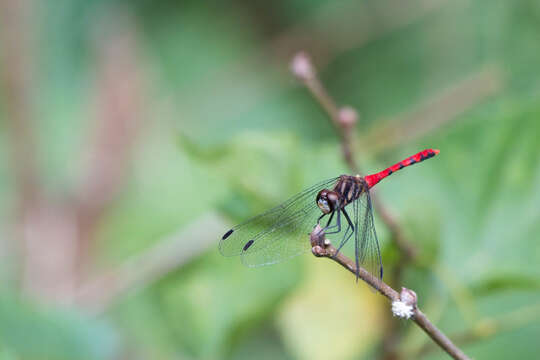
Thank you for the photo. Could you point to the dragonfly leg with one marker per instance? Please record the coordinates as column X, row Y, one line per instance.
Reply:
column 347, row 236
column 319, row 221
column 329, row 220
column 338, row 224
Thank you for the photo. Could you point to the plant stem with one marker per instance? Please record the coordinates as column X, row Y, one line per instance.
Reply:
column 323, row 248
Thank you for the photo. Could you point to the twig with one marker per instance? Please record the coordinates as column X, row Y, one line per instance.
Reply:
column 321, row 247
column 488, row 327
column 344, row 120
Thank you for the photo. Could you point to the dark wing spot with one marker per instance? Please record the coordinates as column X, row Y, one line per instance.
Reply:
column 227, row 234
column 381, row 272
column 248, row 244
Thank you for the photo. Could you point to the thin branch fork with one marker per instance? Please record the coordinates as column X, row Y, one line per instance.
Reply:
column 321, row 247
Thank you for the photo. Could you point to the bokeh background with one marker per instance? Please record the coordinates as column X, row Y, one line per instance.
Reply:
column 133, row 134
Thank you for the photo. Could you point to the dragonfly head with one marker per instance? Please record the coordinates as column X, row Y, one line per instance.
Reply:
column 327, row 201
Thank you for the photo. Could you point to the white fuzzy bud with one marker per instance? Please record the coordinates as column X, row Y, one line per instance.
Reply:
column 402, row 309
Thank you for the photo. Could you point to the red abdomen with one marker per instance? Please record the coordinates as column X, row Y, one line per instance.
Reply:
column 373, row 179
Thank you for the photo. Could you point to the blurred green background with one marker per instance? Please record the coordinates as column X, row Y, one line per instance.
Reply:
column 133, row 134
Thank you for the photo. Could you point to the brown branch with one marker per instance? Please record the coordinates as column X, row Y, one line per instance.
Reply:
column 321, row 247
column 489, row 327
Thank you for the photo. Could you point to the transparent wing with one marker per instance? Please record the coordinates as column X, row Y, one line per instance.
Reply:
column 367, row 251
column 278, row 234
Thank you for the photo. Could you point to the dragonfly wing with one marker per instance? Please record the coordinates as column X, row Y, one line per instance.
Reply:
column 285, row 241
column 277, row 234
column 367, row 251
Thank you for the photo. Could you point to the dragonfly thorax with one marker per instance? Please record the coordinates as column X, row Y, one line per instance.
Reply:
column 328, row 200
column 349, row 188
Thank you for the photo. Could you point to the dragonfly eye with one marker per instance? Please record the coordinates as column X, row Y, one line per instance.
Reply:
column 326, row 201
column 323, row 205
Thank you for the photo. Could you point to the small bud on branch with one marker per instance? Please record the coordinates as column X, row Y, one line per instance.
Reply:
column 301, row 67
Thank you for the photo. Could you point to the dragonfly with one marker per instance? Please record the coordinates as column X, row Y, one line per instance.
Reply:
column 280, row 233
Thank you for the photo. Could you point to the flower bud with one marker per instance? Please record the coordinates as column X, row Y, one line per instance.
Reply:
column 408, row 296
column 302, row 67
column 347, row 117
